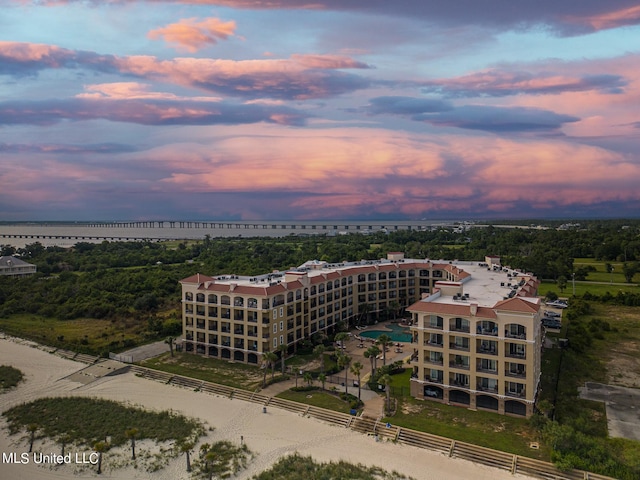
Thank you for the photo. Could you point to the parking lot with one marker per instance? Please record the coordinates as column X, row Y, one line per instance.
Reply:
column 622, row 406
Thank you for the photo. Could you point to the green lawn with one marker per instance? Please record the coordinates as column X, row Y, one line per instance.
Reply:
column 236, row 375
column 83, row 335
column 584, row 287
column 317, row 398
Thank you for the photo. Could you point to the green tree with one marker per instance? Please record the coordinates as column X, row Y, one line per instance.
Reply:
column 372, row 354
column 561, row 283
column 32, row 428
column 356, row 369
column 170, row 341
column 386, row 381
column 323, row 378
column 131, row 434
column 308, row 378
column 384, row 341
column 342, row 338
column 319, row 350
column 269, row 359
column 100, row 448
column 343, row 362
column 283, row 355
column 186, row 446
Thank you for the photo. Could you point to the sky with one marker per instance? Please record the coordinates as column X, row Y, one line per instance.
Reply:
column 331, row 109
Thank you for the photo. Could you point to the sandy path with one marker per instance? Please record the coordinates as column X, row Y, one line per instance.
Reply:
column 270, row 436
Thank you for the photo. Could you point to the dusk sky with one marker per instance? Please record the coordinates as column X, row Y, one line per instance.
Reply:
column 331, row 109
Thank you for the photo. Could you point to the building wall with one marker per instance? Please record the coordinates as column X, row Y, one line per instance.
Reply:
column 490, row 363
column 223, row 320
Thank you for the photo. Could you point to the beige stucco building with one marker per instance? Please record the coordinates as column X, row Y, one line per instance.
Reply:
column 478, row 340
column 240, row 318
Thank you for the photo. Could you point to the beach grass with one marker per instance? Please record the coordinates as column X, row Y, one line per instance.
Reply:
column 236, row 375
column 9, row 377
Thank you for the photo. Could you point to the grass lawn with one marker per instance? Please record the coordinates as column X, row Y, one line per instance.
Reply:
column 237, row 375
column 317, row 398
column 487, row 429
column 83, row 335
column 584, row 287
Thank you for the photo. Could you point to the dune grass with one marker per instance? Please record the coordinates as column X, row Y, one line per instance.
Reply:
column 85, row 421
column 9, row 377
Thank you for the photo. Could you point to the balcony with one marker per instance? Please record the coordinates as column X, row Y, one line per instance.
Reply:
column 515, row 393
column 459, row 366
column 462, row 347
column 428, row 378
column 430, row 343
column 487, row 388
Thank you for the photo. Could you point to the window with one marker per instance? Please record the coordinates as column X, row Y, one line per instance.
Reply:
column 275, row 313
column 281, row 326
column 281, row 311
column 275, row 328
column 275, row 343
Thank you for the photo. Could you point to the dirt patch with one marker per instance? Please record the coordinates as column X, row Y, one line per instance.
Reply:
column 623, row 369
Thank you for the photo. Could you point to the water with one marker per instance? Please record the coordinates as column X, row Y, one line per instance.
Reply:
column 68, row 234
column 397, row 333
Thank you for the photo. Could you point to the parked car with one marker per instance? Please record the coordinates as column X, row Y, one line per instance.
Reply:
column 550, row 314
column 557, row 304
column 431, row 393
column 551, row 323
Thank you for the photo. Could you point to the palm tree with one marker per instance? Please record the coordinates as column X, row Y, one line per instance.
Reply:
column 356, row 368
column 363, row 310
column 100, row 447
column 64, row 439
column 372, row 354
column 386, row 381
column 384, row 341
column 170, row 341
column 319, row 350
column 283, row 353
column 32, row 428
column 343, row 362
column 131, row 434
column 308, row 378
column 323, row 378
column 269, row 359
column 186, row 446
column 341, row 337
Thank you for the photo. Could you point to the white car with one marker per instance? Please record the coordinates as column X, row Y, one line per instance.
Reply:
column 430, row 393
column 557, row 304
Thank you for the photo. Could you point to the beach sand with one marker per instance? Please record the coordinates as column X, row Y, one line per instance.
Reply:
column 269, row 435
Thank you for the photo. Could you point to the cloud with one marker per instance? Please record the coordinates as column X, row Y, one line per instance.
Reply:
column 57, row 148
column 192, row 34
column 498, row 119
column 406, row 105
column 148, row 112
column 500, row 83
column 298, row 77
column 564, row 17
column 473, row 117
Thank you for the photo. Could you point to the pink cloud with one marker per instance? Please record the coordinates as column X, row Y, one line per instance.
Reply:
column 134, row 90
column 612, row 19
column 192, row 34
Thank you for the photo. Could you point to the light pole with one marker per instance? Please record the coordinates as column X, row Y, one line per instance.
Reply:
column 573, row 280
column 611, row 276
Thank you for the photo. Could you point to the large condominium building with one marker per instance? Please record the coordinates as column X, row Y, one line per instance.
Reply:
column 471, row 346
column 478, row 340
column 240, row 318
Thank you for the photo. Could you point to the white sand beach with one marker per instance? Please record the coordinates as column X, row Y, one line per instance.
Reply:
column 269, row 435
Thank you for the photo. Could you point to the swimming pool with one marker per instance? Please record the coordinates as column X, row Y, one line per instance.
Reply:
column 397, row 333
